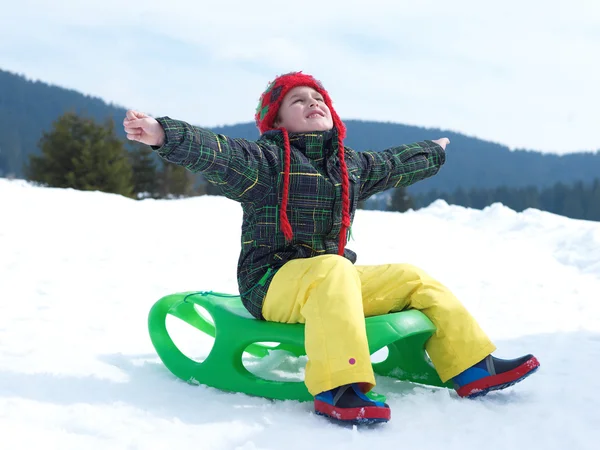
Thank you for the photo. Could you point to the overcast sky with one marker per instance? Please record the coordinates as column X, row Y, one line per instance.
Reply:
column 521, row 73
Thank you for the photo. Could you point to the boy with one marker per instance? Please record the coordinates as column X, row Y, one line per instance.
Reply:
column 299, row 188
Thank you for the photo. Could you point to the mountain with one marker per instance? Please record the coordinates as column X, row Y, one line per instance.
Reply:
column 28, row 108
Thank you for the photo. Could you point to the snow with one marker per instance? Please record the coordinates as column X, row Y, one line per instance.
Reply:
column 79, row 272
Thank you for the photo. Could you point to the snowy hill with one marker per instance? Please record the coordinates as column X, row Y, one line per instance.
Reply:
column 79, row 272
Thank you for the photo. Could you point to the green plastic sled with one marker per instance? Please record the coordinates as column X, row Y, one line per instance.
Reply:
column 236, row 331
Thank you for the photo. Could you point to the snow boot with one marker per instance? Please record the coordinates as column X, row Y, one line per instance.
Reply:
column 493, row 374
column 350, row 405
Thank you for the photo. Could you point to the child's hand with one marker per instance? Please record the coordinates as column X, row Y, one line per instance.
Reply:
column 142, row 128
column 442, row 142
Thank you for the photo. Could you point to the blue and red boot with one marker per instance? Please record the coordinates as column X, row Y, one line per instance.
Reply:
column 349, row 404
column 493, row 374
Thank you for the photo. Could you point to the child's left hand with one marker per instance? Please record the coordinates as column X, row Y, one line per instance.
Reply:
column 442, row 142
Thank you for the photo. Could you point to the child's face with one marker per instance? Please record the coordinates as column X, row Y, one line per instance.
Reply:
column 303, row 109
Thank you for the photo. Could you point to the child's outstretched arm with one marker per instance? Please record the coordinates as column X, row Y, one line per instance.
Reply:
column 242, row 169
column 399, row 166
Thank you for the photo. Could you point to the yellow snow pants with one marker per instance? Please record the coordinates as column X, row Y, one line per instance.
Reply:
column 332, row 297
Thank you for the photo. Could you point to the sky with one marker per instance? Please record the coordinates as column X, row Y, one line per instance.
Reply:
column 79, row 272
column 523, row 73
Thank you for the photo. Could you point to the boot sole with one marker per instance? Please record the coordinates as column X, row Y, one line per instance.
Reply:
column 353, row 422
column 481, row 387
column 363, row 415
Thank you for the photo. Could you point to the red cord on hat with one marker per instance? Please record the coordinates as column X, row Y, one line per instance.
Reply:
column 345, row 200
column 286, row 227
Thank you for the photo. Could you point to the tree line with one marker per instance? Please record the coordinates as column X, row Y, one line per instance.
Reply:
column 80, row 153
column 578, row 200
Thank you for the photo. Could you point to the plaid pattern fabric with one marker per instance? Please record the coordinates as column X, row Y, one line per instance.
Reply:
column 252, row 172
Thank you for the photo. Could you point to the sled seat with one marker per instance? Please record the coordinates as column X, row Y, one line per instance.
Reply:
column 236, row 331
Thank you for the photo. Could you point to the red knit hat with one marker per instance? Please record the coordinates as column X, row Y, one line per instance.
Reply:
column 266, row 113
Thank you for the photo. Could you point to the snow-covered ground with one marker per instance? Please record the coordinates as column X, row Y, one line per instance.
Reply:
column 79, row 272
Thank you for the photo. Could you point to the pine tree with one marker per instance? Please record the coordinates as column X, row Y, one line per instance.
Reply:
column 400, row 200
column 82, row 154
column 593, row 211
column 461, row 197
column 3, row 163
column 175, row 181
column 145, row 176
column 531, row 198
column 480, row 198
column 573, row 205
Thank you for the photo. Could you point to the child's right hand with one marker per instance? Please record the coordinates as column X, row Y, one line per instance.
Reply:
column 142, row 128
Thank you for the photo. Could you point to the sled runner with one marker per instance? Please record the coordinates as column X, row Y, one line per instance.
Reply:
column 236, row 331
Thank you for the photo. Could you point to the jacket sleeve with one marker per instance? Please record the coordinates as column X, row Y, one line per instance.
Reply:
column 398, row 166
column 243, row 170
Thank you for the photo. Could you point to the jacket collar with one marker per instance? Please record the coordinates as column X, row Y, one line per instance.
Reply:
column 315, row 145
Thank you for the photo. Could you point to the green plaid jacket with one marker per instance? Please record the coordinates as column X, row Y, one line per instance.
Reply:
column 252, row 172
